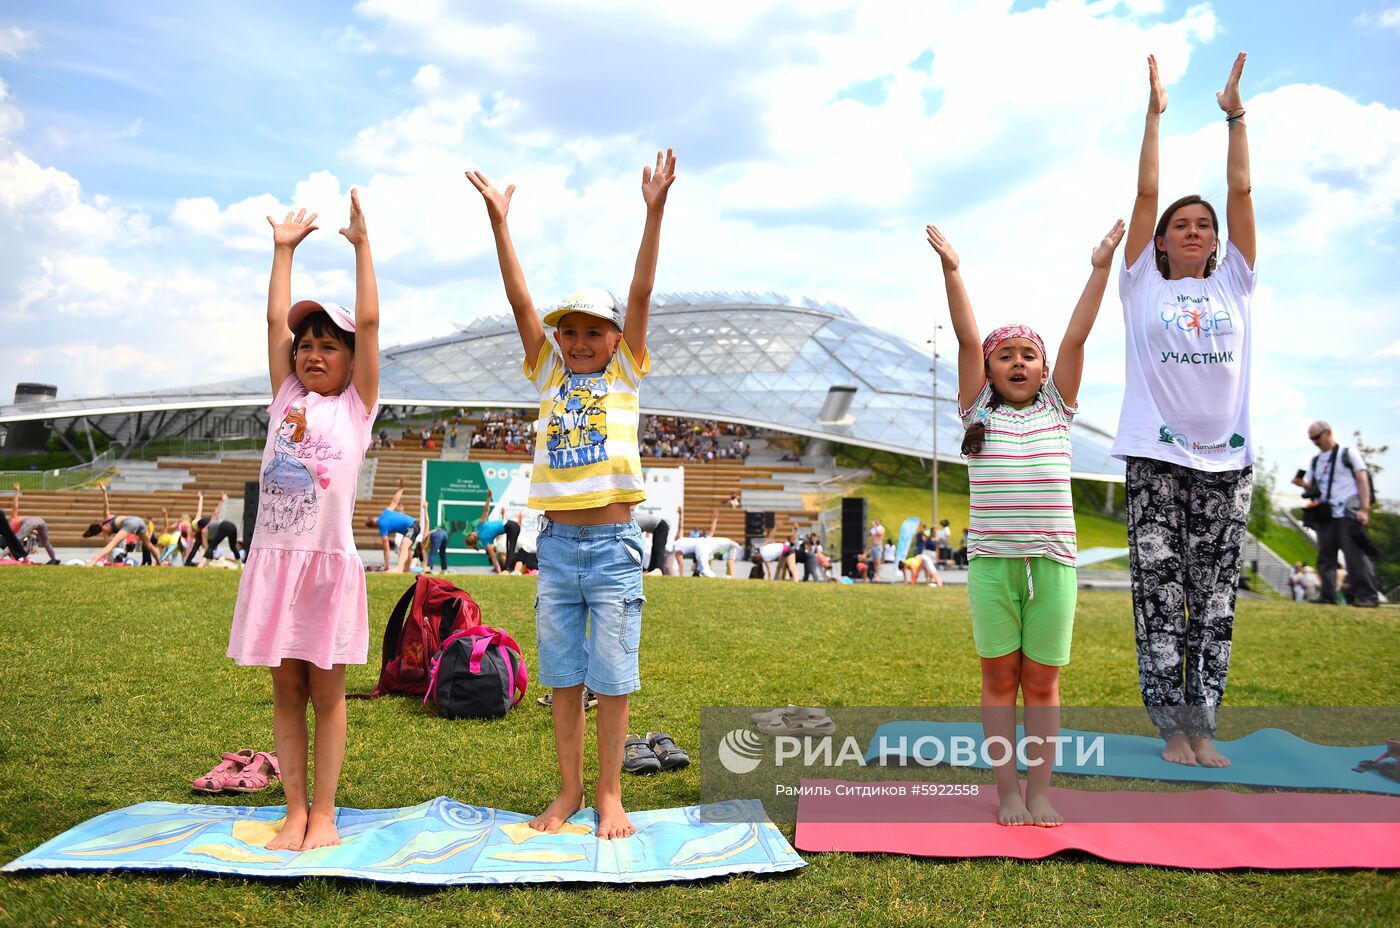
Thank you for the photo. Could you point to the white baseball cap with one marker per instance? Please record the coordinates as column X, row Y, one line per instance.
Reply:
column 591, row 301
column 342, row 317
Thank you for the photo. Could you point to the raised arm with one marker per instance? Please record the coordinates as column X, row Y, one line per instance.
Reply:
column 1145, row 206
column 655, row 185
column 199, row 507
column 714, row 523
column 972, row 372
column 16, row 507
column 485, row 508
column 106, row 505
column 398, row 496
column 365, row 374
column 219, row 509
column 526, row 319
column 1069, row 363
column 1239, row 205
column 286, row 236
column 423, row 516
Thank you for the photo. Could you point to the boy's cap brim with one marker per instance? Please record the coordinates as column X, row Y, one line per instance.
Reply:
column 343, row 318
column 598, row 303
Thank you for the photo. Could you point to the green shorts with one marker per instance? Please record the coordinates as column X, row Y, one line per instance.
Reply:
column 1007, row 618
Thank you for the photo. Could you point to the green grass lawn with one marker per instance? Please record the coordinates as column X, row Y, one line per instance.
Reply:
column 1289, row 543
column 117, row 691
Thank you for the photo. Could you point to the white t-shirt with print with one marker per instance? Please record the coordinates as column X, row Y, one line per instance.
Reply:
column 1186, row 378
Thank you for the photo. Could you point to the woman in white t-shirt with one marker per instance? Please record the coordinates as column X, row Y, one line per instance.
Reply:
column 1184, row 432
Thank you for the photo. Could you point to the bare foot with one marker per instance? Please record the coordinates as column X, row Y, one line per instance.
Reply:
column 1178, row 750
column 612, row 818
column 293, row 831
column 1013, row 809
column 1207, row 755
column 320, row 832
column 1042, row 812
column 564, row 805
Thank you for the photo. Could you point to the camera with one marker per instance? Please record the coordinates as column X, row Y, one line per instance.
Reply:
column 1312, row 493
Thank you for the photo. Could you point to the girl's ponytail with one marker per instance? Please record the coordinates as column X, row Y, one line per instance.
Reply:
column 976, row 433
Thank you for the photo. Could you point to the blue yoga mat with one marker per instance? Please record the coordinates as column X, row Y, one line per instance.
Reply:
column 438, row 843
column 1267, row 757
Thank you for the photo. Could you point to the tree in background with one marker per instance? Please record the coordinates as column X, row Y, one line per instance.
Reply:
column 1261, row 502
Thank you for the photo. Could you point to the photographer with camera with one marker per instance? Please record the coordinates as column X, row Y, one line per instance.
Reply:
column 1337, row 481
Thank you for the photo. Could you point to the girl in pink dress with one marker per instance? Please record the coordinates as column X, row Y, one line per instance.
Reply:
column 301, row 602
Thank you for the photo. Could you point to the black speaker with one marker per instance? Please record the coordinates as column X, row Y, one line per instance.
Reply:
column 753, row 523
column 853, row 517
column 250, row 510
column 770, row 520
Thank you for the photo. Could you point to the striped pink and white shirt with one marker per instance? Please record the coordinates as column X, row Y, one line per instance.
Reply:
column 1021, row 503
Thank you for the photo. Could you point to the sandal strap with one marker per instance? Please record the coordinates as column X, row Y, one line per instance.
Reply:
column 271, row 758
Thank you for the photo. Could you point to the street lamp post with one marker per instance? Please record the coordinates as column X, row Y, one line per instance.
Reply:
column 933, row 526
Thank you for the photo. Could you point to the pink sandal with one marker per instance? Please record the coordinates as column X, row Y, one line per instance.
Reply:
column 258, row 773
column 216, row 780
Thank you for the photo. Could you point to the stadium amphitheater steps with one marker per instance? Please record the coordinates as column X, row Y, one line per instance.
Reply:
column 708, row 486
column 145, row 476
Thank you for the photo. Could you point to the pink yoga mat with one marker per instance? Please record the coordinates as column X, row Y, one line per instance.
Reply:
column 1241, row 834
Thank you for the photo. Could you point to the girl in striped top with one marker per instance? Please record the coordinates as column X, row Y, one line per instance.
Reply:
column 1021, row 581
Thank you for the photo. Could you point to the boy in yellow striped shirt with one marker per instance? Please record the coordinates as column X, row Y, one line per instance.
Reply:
column 586, row 477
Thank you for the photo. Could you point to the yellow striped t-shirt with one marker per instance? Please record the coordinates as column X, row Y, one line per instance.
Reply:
column 586, row 452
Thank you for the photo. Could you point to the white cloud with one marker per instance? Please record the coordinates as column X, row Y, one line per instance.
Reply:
column 454, row 37
column 130, row 131
column 14, row 40
column 11, row 117
column 1385, row 19
column 428, row 79
column 1389, row 351
column 352, row 40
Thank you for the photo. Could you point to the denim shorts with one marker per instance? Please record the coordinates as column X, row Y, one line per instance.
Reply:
column 588, row 615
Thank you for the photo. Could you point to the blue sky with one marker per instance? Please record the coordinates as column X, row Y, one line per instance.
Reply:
column 139, row 151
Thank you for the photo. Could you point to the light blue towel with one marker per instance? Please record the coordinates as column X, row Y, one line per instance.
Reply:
column 438, row 843
column 1267, row 757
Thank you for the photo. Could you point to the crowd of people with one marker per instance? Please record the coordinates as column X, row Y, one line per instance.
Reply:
column 512, row 431
column 509, row 430
column 170, row 541
column 694, row 439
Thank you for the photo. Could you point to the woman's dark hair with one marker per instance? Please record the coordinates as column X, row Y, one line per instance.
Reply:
column 1161, row 256
column 320, row 326
column 93, row 529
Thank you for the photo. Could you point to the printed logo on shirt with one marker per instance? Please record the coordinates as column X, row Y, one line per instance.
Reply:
column 1166, row 436
column 1195, row 317
column 1198, row 357
column 577, row 432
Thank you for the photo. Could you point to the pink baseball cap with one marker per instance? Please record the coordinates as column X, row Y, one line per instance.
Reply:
column 342, row 317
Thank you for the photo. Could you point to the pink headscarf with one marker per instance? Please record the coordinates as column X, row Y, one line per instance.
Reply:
column 1008, row 332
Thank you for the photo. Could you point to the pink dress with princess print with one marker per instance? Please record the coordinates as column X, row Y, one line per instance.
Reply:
column 302, row 594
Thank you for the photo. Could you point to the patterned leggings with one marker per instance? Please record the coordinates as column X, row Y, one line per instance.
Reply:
column 1185, row 531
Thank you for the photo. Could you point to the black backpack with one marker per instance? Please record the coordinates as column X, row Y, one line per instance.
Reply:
column 478, row 673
